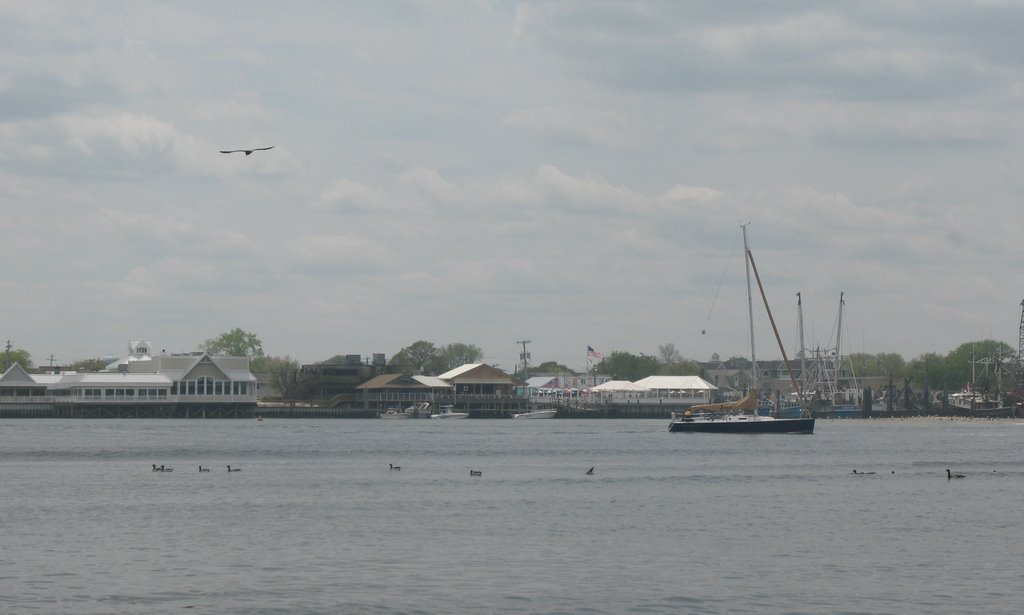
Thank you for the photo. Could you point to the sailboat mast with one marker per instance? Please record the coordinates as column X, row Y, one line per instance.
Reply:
column 839, row 330
column 754, row 380
column 800, row 318
column 778, row 339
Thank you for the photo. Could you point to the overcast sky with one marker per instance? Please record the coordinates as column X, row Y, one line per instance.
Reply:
column 570, row 173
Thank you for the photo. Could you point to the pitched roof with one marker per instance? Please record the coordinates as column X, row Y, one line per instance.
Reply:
column 681, row 383
column 618, row 385
column 404, row 381
column 478, row 373
column 16, row 374
column 542, row 382
column 458, row 371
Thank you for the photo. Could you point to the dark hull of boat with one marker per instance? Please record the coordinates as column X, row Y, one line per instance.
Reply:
column 795, row 426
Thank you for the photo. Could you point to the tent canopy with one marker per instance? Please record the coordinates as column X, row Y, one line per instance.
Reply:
column 676, row 383
column 619, row 385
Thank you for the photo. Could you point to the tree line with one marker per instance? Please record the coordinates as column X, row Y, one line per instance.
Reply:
column 979, row 362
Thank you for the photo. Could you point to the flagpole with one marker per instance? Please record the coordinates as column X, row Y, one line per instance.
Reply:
column 590, row 367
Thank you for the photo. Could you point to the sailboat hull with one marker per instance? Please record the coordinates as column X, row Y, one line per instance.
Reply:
column 751, row 425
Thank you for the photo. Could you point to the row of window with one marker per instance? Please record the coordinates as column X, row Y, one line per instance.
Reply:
column 123, row 393
column 203, row 386
column 209, row 386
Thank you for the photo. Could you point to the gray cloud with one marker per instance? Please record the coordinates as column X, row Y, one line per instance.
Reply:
column 575, row 172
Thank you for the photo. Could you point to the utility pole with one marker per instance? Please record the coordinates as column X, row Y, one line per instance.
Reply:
column 524, row 356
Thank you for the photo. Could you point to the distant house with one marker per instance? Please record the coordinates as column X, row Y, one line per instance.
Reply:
column 403, row 388
column 481, row 379
column 336, row 382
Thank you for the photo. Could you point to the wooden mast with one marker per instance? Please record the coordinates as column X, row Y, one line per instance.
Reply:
column 796, row 385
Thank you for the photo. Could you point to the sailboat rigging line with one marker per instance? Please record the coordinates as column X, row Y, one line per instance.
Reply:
column 789, row 370
column 714, row 299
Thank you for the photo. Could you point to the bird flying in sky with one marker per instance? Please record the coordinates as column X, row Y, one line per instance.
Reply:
column 247, row 151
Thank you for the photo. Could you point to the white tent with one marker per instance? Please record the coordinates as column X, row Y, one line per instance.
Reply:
column 618, row 385
column 675, row 383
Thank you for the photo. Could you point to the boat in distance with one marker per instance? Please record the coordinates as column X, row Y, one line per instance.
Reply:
column 741, row 416
column 740, row 423
column 536, row 414
column 417, row 410
column 448, row 412
column 738, row 416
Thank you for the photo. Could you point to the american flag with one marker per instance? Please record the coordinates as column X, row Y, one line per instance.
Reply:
column 593, row 353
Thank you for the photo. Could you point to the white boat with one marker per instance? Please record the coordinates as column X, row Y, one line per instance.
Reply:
column 536, row 414
column 448, row 412
column 415, row 411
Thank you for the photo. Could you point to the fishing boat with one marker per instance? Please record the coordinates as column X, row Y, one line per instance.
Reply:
column 448, row 412
column 741, row 416
column 536, row 413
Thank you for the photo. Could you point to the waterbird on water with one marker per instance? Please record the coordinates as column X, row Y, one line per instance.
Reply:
column 590, row 471
column 861, row 473
column 234, row 470
column 394, row 467
column 950, row 475
column 247, row 151
column 202, row 469
column 475, row 473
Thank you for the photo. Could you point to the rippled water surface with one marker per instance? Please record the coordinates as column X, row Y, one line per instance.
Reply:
column 668, row 523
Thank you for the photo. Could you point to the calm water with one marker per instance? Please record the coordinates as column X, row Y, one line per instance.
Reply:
column 668, row 523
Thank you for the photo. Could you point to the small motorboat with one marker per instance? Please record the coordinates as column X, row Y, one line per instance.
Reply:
column 536, row 413
column 448, row 412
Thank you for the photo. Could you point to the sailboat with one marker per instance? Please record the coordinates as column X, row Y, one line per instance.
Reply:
column 741, row 416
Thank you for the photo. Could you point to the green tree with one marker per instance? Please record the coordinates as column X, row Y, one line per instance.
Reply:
column 928, row 370
column 281, row 373
column 456, row 354
column 976, row 363
column 668, row 353
column 626, row 366
column 416, row 355
column 890, row 363
column 15, row 355
column 551, row 367
column 680, row 367
column 87, row 365
column 234, row 343
column 737, row 363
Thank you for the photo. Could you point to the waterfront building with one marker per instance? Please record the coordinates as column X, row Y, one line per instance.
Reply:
column 481, row 379
column 388, row 391
column 140, row 384
column 334, row 383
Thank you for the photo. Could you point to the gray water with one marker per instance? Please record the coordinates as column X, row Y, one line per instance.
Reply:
column 668, row 523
